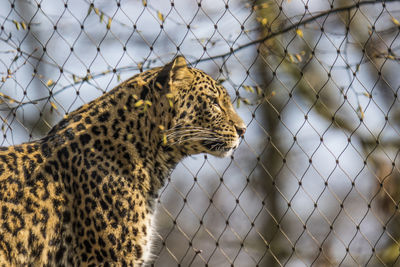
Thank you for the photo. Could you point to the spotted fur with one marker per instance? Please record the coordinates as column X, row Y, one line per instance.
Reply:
column 84, row 194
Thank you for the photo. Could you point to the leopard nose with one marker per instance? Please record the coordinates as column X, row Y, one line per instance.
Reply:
column 240, row 130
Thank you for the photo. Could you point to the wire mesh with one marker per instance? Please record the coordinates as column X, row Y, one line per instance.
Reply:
column 316, row 179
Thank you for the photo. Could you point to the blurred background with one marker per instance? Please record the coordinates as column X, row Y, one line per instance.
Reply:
column 316, row 178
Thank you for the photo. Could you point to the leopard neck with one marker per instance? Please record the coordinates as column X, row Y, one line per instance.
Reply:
column 124, row 126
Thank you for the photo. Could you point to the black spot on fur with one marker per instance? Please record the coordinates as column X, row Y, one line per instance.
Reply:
column 85, row 139
column 96, row 130
column 69, row 133
column 47, row 168
column 138, row 251
column 99, row 257
column 88, row 246
column 46, row 151
column 61, row 125
column 129, row 103
column 38, row 158
column 77, row 118
column 104, row 116
column 80, row 127
column 60, row 253
column 161, row 79
column 144, row 92
column 19, row 149
column 63, row 157
column 66, row 217
column 183, row 114
column 74, row 147
column 121, row 115
column 112, row 254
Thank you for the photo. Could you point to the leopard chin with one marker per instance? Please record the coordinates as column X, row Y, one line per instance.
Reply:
column 223, row 153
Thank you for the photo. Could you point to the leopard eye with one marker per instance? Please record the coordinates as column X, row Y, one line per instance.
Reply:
column 215, row 102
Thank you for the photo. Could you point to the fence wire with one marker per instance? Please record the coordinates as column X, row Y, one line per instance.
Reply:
column 316, row 179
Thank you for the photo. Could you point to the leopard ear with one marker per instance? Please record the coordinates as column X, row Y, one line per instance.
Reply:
column 179, row 69
column 175, row 75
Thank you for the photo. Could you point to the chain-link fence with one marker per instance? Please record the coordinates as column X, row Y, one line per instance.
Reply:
column 316, row 179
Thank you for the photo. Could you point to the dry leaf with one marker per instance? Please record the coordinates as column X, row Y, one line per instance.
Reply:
column 259, row 91
column 248, row 88
column 16, row 24
column 367, row 94
column 53, row 105
column 159, row 86
column 299, row 32
column 109, row 23
column 264, row 21
column 395, row 21
column 246, row 101
column 164, row 139
column 139, row 103
column 160, row 16
column 49, row 82
column 361, row 112
column 88, row 77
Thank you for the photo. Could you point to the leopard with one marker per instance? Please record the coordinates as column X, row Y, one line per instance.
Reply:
column 85, row 194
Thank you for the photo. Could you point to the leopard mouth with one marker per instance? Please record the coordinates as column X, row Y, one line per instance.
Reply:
column 216, row 146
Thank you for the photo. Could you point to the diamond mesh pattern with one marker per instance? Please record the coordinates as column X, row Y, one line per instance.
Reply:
column 316, row 179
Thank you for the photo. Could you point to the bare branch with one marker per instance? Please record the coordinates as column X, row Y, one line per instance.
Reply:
column 296, row 25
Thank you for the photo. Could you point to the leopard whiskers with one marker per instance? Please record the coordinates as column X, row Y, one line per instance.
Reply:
column 182, row 133
column 178, row 129
column 194, row 138
column 215, row 145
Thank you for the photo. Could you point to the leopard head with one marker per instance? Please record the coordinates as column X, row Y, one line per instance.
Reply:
column 204, row 119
